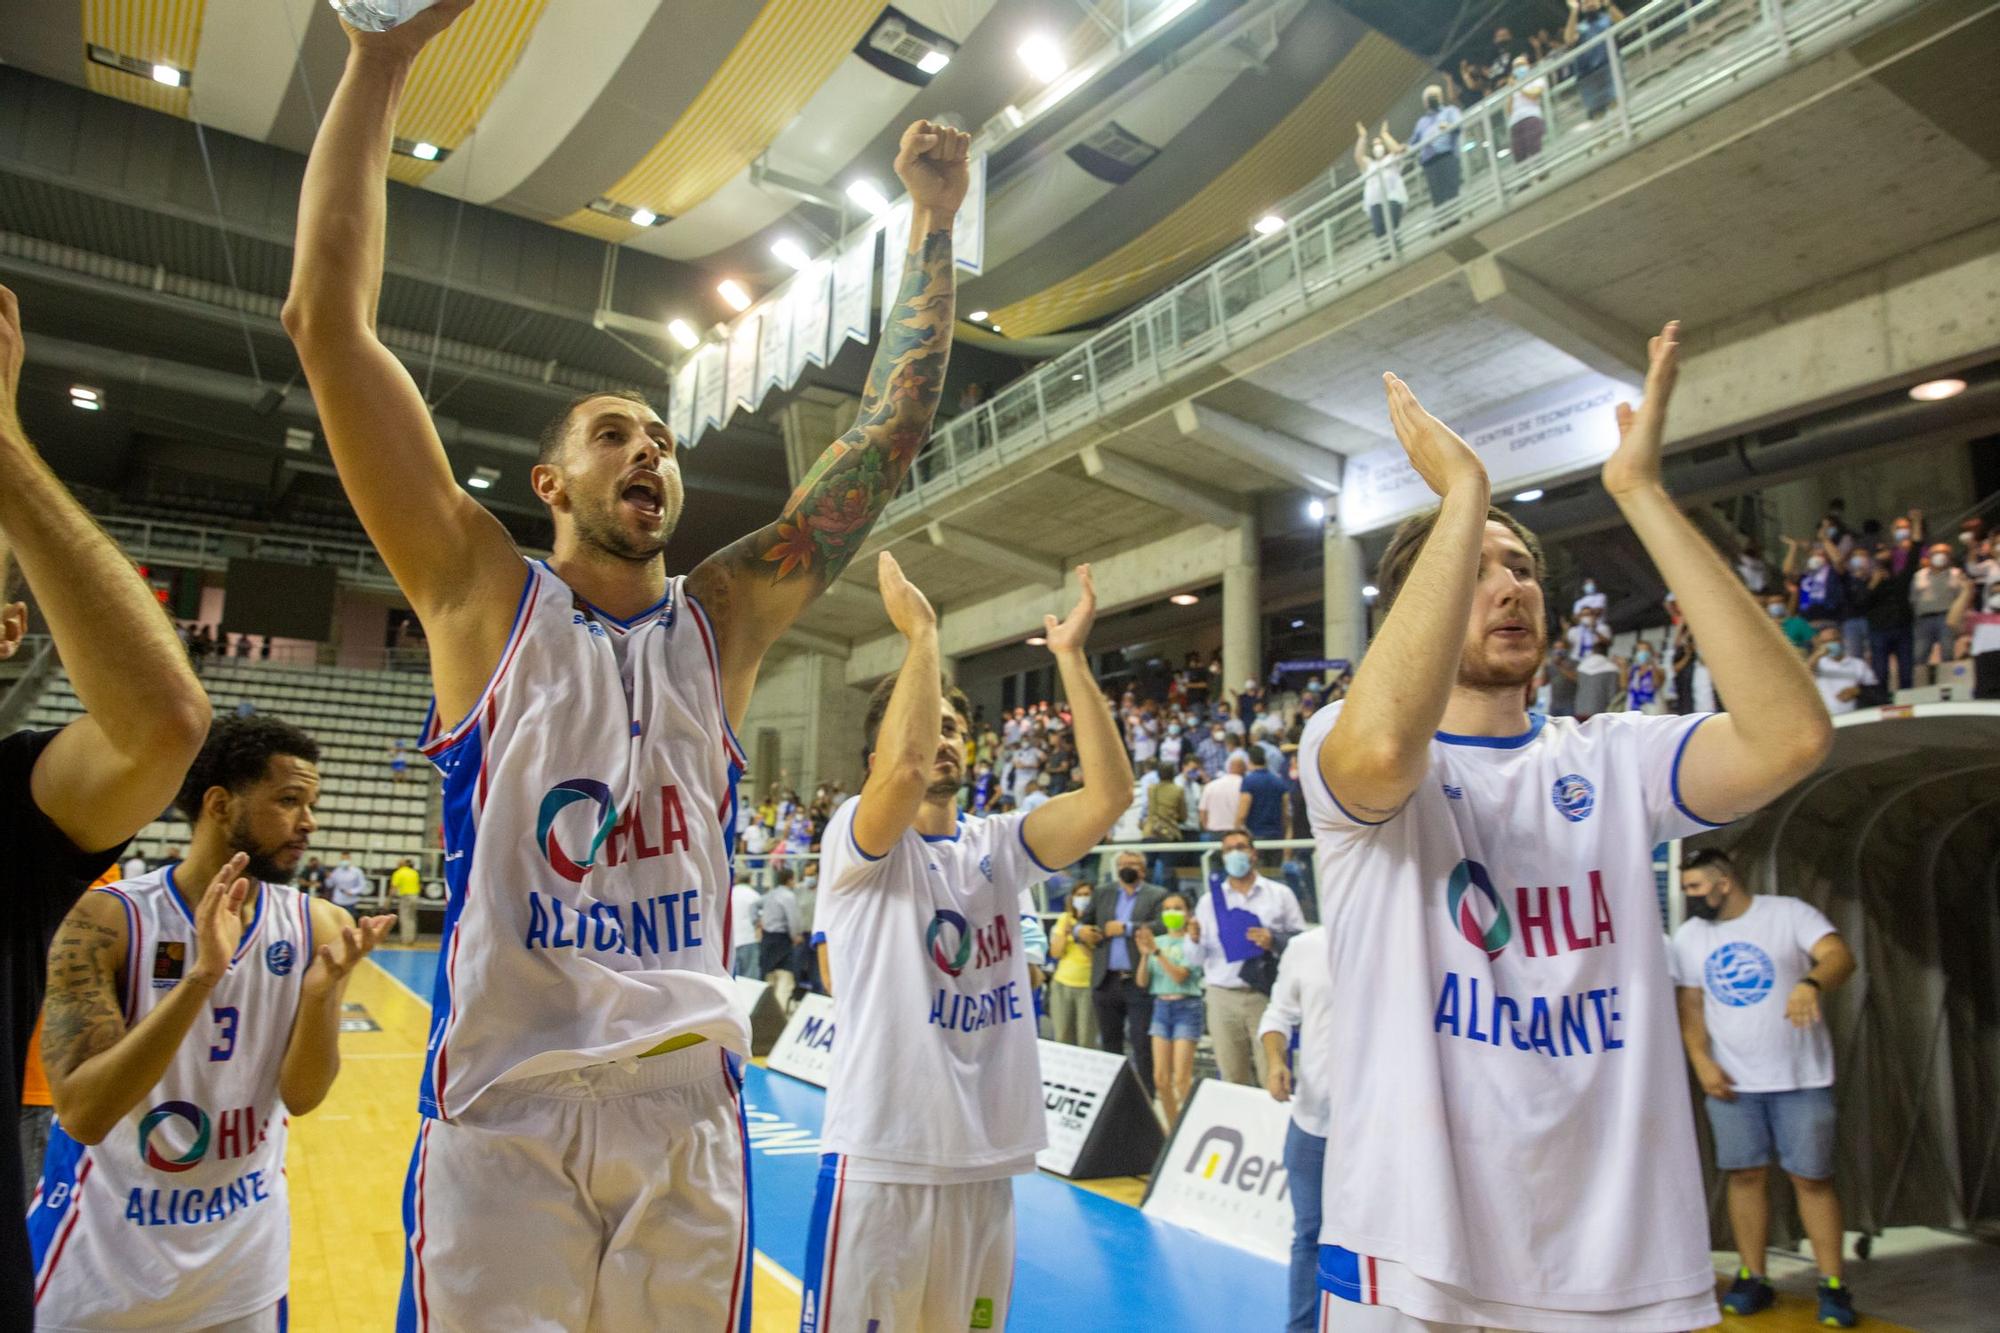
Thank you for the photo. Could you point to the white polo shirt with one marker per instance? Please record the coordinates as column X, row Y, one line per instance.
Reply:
column 1302, row 1003
column 1746, row 970
column 1276, row 908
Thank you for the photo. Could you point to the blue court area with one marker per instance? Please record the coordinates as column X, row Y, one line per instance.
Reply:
column 1083, row 1261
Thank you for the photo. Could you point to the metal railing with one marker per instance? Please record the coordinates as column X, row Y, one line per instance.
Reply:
column 197, row 546
column 1666, row 64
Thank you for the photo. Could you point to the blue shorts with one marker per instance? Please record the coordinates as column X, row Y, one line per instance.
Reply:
column 1796, row 1128
column 1176, row 1017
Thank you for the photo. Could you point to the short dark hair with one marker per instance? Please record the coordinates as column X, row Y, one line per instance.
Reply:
column 782, row 876
column 1710, row 858
column 237, row 754
column 1255, row 752
column 550, row 443
column 1242, row 833
column 878, row 706
column 1409, row 541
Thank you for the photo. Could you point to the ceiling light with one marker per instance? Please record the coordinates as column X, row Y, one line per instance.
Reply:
column 87, row 404
column 1043, row 57
column 872, row 201
column 168, row 75
column 482, row 478
column 791, row 253
column 732, row 292
column 933, row 61
column 1076, row 378
column 680, row 331
column 1184, row 599
column 1315, row 509
column 1529, row 496
column 644, row 217
column 1298, row 624
column 1370, row 590
column 427, row 152
column 84, row 393
column 1036, row 641
column 478, row 483
column 977, row 317
column 1269, row 223
column 1932, row 390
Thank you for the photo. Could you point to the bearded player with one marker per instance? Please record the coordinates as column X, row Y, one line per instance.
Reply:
column 1513, row 1143
column 581, row 1160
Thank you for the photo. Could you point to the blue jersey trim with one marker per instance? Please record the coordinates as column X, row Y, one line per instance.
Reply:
column 952, row 836
column 1021, row 831
column 1340, row 1273
column 855, row 843
column 723, row 704
column 506, row 655
column 818, row 1236
column 1327, row 787
column 460, row 762
column 249, row 931
column 1535, row 721
column 1674, row 778
column 59, row 1168
column 174, row 892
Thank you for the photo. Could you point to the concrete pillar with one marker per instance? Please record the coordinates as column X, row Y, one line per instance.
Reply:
column 812, row 420
column 1346, row 615
column 1242, row 629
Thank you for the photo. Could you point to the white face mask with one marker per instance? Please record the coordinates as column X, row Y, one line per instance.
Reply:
column 1380, row 151
column 1817, row 562
column 1940, row 560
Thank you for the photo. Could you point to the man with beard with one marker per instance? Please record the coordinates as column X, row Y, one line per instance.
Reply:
column 1514, row 1146
column 580, row 1092
column 191, row 1011
column 935, row 1100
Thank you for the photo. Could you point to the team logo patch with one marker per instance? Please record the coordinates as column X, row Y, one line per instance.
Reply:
column 950, row 942
column 982, row 1313
column 1574, row 797
column 1455, row 793
column 1739, row 974
column 169, row 961
column 560, row 798
column 197, row 1121
column 986, row 868
column 1476, row 909
column 280, row 957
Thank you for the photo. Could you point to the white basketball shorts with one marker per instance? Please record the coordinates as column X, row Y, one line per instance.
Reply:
column 607, row 1199
column 907, row 1258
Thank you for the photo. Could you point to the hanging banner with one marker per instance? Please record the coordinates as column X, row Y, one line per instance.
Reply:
column 708, row 389
column 1223, row 1173
column 774, row 343
column 809, row 318
column 686, row 410
column 743, row 364
column 968, row 232
column 853, row 285
column 895, row 255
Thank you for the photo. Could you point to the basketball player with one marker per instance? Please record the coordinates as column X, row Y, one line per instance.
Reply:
column 1513, row 1145
column 580, row 1116
column 190, row 1012
column 935, row 1100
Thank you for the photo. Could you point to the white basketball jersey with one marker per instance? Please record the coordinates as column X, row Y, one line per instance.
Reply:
column 936, row 1074
column 1508, row 1106
column 589, row 819
column 179, row 1218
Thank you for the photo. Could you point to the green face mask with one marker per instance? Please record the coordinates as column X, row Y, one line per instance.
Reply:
column 1173, row 920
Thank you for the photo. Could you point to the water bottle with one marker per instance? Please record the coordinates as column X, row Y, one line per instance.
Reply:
column 379, row 15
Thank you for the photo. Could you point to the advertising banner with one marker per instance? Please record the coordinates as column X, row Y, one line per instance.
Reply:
column 1224, row 1174
column 805, row 1048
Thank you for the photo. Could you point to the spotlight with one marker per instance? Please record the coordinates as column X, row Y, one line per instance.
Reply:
column 977, row 317
column 84, row 393
column 426, row 152
column 1037, row 641
column 644, row 217
column 1184, row 599
column 482, row 478
column 1932, row 391
column 1269, row 223
column 1298, row 624
column 168, row 75
column 1043, row 57
column 1370, row 590
column 1528, row 497
column 933, row 61
column 790, row 253
column 732, row 292
column 872, row 201
column 680, row 332
column 1315, row 509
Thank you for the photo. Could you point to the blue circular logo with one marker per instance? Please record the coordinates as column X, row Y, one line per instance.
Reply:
column 280, row 957
column 1574, row 797
column 1739, row 974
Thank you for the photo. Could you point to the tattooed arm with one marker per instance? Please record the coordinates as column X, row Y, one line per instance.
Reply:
column 756, row 587
column 98, row 1068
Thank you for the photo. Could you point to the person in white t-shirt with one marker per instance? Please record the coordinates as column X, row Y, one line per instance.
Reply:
column 1765, row 1064
column 935, row 1101
column 743, row 901
column 1302, row 1006
column 1840, row 677
column 1592, row 599
column 1235, row 1005
column 1514, row 1146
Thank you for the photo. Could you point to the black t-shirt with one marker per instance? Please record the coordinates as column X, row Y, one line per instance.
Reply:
column 41, row 876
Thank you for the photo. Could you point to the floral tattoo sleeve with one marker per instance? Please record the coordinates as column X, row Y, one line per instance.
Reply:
column 829, row 516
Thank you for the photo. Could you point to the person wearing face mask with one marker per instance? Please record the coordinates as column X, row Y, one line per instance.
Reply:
column 1382, row 189
column 1840, row 678
column 1798, row 631
column 1241, row 926
column 1436, row 137
column 1124, row 1005
column 1525, row 122
column 1932, row 592
column 1591, row 599
column 346, row 883
column 1212, row 751
column 1907, row 534
column 1766, row 1068
column 1072, row 1017
column 1170, row 973
column 1977, row 612
column 1588, row 19
column 1855, row 579
column 1884, row 601
column 1644, row 675
column 1819, row 599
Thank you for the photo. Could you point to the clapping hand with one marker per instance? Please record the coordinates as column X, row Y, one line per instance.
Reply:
column 331, row 964
column 1635, row 464
column 218, row 922
column 909, row 610
column 1070, row 635
column 1440, row 457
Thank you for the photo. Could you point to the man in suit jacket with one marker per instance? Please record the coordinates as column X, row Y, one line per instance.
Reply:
column 1110, row 927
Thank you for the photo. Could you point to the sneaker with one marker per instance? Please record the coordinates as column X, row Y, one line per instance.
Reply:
column 1749, row 1294
column 1836, row 1304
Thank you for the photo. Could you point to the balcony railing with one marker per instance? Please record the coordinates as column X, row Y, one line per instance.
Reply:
column 1667, row 63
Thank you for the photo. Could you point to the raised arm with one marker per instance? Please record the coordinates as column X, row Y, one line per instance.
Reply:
column 1569, row 27
column 450, row 556
column 1380, row 745
column 99, row 1069
column 757, row 586
column 114, row 769
column 906, row 747
column 1776, row 730
column 1063, row 829
column 312, row 1055
column 1360, row 145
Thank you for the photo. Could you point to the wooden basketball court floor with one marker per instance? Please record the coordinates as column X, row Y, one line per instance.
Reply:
column 348, row 1158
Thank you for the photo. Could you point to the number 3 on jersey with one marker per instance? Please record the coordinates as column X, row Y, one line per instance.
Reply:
column 225, row 1034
